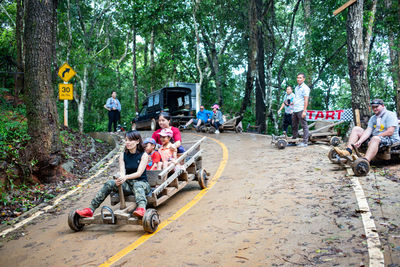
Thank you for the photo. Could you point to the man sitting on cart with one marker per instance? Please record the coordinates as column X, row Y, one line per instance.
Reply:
column 382, row 130
column 203, row 116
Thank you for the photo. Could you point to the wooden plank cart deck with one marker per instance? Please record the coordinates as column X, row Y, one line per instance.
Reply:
column 164, row 184
column 323, row 132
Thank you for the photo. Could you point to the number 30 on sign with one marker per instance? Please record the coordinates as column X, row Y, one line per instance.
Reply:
column 65, row 91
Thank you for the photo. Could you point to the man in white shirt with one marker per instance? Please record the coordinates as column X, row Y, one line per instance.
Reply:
column 302, row 94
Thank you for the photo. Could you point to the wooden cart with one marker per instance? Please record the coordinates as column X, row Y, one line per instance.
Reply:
column 164, row 184
column 323, row 132
column 359, row 165
column 234, row 124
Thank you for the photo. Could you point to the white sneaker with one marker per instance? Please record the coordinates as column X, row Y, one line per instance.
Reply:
column 217, row 131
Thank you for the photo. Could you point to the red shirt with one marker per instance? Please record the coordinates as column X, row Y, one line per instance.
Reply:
column 154, row 158
column 176, row 135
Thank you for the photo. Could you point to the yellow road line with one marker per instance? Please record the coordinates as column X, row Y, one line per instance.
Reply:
column 178, row 214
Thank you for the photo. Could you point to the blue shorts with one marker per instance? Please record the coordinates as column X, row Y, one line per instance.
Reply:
column 385, row 141
column 195, row 121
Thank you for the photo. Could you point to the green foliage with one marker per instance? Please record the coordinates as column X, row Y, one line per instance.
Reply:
column 13, row 138
column 107, row 24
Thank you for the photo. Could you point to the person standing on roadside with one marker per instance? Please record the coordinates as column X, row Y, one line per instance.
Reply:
column 114, row 108
column 288, row 103
column 302, row 94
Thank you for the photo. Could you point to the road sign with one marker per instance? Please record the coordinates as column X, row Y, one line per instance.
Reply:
column 66, row 72
column 65, row 91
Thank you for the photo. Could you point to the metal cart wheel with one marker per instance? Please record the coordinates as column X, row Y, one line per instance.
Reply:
column 332, row 156
column 202, row 178
column 153, row 125
column 151, row 220
column 360, row 167
column 73, row 221
column 238, row 129
column 335, row 141
column 281, row 144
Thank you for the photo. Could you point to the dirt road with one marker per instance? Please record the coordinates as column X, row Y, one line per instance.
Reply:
column 268, row 208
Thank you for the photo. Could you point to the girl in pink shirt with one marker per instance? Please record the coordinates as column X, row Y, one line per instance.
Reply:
column 168, row 152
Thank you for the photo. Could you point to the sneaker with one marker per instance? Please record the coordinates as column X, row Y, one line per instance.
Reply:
column 85, row 212
column 341, row 152
column 217, row 131
column 302, row 145
column 139, row 212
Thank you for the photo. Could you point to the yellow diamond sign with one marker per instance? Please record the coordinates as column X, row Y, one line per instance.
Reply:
column 66, row 72
column 65, row 91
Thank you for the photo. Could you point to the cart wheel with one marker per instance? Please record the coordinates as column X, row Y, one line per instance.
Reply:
column 335, row 141
column 281, row 144
column 202, row 178
column 151, row 220
column 221, row 130
column 153, row 125
column 211, row 130
column 332, row 156
column 73, row 221
column 238, row 129
column 360, row 167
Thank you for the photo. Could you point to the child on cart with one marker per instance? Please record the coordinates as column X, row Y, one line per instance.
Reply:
column 167, row 151
column 154, row 162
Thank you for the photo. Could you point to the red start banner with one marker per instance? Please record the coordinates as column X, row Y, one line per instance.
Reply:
column 330, row 115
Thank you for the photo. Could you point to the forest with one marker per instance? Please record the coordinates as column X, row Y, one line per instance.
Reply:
column 242, row 53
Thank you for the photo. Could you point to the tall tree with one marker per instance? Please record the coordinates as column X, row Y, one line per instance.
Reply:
column 394, row 51
column 251, row 55
column 260, row 78
column 357, row 57
column 41, row 107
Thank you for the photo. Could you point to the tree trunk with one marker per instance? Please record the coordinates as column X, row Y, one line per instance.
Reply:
column 41, row 107
column 134, row 72
column 19, row 32
column 215, row 63
column 146, row 53
column 82, row 101
column 357, row 62
column 196, row 30
column 152, row 60
column 308, row 48
column 394, row 58
column 260, row 81
column 251, row 56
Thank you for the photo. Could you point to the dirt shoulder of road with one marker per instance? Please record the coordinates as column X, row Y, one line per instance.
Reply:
column 80, row 156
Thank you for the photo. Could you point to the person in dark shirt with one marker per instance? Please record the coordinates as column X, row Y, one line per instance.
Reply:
column 133, row 178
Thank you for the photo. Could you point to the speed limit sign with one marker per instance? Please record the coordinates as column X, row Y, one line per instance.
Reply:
column 65, row 91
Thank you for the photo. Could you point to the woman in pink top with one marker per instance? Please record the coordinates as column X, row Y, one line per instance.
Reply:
column 164, row 120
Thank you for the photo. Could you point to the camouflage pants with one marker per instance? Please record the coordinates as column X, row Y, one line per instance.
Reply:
column 138, row 188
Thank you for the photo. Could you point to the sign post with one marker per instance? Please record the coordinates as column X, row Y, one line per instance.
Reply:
column 66, row 90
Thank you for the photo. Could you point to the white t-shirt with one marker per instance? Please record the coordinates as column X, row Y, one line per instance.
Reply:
column 300, row 92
